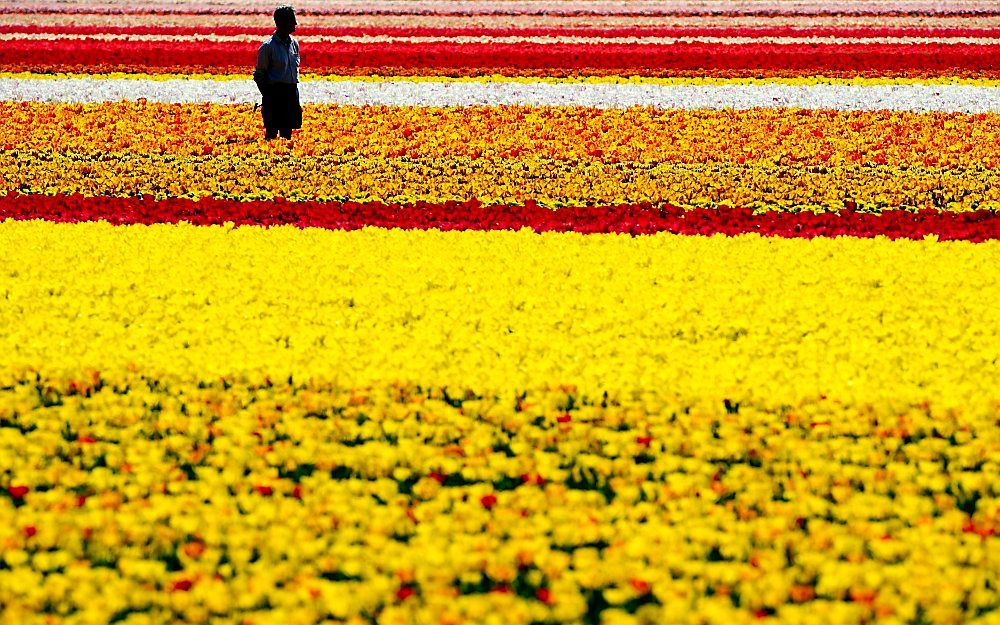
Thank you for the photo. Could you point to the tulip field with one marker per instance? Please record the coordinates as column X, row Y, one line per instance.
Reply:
column 578, row 312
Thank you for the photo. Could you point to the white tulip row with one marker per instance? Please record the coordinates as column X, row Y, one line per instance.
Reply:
column 964, row 98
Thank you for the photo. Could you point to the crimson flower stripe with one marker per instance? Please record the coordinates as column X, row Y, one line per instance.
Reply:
column 383, row 20
column 635, row 219
column 513, row 31
column 521, row 7
column 865, row 59
column 510, row 40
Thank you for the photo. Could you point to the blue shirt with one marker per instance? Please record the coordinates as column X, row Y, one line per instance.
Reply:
column 278, row 61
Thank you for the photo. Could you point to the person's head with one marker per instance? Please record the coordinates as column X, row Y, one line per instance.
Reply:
column 284, row 20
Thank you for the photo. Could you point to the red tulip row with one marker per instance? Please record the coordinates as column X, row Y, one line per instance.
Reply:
column 472, row 215
column 706, row 59
column 513, row 31
column 409, row 7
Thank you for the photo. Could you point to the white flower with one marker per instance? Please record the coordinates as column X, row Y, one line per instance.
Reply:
column 964, row 98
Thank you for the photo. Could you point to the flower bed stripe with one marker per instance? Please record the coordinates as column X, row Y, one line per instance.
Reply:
column 801, row 76
column 934, row 59
column 696, row 316
column 521, row 7
column 964, row 98
column 393, row 477
column 382, row 22
column 975, row 226
column 549, row 34
column 518, row 39
column 558, row 156
column 764, row 159
column 549, row 182
column 601, row 79
column 633, row 137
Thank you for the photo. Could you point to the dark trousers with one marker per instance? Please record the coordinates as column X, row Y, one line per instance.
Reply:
column 281, row 110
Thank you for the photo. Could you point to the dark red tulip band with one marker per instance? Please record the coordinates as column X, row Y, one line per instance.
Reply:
column 636, row 219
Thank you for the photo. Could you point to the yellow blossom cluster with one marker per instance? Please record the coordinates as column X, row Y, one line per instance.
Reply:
column 278, row 425
column 783, row 159
column 549, row 182
column 154, row 501
column 776, row 320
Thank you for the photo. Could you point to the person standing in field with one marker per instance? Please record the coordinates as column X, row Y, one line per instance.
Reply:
column 277, row 77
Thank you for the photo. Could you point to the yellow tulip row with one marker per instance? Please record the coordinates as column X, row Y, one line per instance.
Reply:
column 778, row 320
column 796, row 138
column 221, row 425
column 547, row 181
column 151, row 501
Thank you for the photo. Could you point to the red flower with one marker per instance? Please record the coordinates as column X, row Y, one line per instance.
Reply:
column 864, row 595
column 348, row 57
column 297, row 491
column 635, row 219
column 564, row 418
column 488, row 501
column 30, row 530
column 644, row 440
column 264, row 490
column 544, row 595
column 640, row 586
column 404, row 593
column 181, row 585
column 437, row 477
column 194, row 549
column 86, row 439
column 983, row 532
column 502, row 589
column 800, row 593
column 18, row 492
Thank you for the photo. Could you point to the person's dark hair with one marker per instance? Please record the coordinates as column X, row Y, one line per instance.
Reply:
column 283, row 14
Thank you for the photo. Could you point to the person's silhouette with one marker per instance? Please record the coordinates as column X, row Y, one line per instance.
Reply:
column 277, row 77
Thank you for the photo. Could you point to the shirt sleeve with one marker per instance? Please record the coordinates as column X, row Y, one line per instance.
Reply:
column 296, row 61
column 263, row 63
